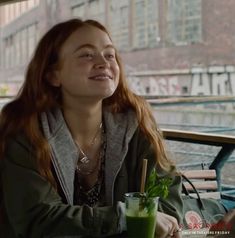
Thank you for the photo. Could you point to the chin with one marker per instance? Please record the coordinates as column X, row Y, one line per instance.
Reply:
column 107, row 94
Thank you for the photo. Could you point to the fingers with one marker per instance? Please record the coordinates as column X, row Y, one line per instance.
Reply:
column 177, row 234
column 167, row 226
column 174, row 232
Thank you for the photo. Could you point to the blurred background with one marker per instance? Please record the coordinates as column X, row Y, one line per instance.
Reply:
column 170, row 49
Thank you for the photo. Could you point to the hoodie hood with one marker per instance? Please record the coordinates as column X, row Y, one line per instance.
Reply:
column 119, row 127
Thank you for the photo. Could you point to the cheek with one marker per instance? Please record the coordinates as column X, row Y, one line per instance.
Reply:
column 81, row 64
column 118, row 78
column 116, row 71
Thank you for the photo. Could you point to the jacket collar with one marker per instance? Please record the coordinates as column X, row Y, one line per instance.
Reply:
column 63, row 150
column 119, row 127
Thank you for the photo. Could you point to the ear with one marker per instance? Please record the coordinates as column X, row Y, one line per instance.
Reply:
column 53, row 79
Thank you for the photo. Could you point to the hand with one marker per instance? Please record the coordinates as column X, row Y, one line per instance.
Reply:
column 227, row 223
column 167, row 226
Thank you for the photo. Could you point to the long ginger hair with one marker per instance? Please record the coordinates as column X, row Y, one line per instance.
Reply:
column 37, row 95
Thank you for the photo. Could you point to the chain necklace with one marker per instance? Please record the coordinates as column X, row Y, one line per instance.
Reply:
column 84, row 160
column 92, row 195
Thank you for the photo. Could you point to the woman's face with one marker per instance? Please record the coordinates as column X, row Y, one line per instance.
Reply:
column 88, row 68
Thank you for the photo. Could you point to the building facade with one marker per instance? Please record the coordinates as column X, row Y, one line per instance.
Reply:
column 174, row 47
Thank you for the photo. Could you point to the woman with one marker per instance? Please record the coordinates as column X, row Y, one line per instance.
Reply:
column 73, row 141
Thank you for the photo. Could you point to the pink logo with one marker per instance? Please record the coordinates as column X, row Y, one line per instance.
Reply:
column 193, row 220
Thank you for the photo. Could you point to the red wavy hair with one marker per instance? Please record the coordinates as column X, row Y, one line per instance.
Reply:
column 38, row 95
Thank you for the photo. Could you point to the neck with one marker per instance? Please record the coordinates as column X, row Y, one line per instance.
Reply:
column 83, row 121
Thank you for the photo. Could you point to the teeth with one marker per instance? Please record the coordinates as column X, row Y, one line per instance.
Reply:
column 101, row 77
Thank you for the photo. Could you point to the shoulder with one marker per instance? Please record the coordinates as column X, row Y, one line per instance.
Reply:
column 20, row 151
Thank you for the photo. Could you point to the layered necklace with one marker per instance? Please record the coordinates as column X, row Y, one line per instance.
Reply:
column 84, row 165
column 91, row 195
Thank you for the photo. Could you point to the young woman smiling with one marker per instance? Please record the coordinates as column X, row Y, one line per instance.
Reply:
column 73, row 140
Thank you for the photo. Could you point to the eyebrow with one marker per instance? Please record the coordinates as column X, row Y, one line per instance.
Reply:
column 92, row 46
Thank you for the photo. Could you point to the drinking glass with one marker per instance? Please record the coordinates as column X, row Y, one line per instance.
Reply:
column 140, row 215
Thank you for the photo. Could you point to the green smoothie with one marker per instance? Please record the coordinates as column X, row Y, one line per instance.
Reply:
column 141, row 227
column 140, row 215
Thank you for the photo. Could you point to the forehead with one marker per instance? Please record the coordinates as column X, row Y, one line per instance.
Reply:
column 85, row 35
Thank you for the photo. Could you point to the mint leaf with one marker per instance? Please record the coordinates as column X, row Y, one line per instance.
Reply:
column 157, row 186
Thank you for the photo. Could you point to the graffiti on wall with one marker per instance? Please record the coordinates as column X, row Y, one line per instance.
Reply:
column 214, row 80
column 168, row 85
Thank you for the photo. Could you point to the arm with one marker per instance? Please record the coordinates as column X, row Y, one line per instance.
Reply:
column 173, row 204
column 140, row 149
column 170, row 209
column 34, row 208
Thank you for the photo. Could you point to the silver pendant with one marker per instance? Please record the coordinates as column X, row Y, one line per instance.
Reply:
column 84, row 160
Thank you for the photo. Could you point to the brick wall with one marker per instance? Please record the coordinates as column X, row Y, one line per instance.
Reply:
column 217, row 46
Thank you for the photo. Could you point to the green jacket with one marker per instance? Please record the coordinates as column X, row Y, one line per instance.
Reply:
column 34, row 209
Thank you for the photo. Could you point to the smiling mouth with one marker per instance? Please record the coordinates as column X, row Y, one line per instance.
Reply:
column 101, row 77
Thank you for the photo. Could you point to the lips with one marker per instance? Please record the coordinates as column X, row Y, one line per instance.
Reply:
column 101, row 77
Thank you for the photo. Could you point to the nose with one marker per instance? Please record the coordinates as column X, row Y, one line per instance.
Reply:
column 100, row 61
